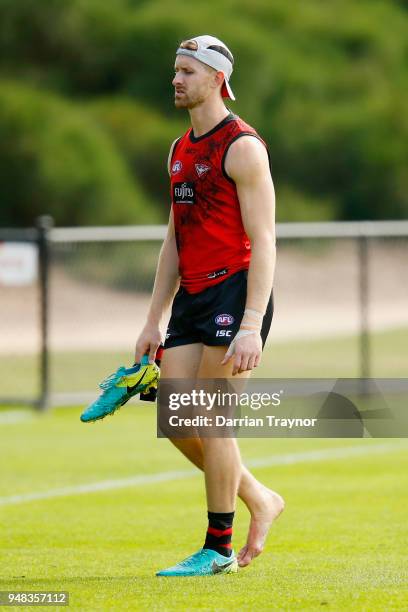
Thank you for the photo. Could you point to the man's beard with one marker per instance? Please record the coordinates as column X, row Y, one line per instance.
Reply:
column 187, row 102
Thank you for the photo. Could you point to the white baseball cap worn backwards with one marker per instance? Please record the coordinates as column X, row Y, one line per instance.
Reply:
column 213, row 52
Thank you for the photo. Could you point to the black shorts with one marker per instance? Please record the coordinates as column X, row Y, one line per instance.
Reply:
column 212, row 316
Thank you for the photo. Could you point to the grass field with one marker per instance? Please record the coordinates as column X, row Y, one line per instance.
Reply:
column 323, row 358
column 340, row 545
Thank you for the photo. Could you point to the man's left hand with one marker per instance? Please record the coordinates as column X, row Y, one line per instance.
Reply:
column 246, row 350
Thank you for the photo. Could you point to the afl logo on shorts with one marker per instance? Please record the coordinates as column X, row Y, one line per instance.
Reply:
column 177, row 166
column 224, row 319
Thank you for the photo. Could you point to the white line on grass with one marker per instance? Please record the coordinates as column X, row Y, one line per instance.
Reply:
column 12, row 417
column 145, row 479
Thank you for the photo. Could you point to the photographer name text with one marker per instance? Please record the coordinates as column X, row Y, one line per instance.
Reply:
column 221, row 421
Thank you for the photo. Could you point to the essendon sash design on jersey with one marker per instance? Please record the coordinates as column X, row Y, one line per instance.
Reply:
column 211, row 240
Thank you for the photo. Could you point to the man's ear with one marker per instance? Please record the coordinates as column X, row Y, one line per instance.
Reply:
column 218, row 78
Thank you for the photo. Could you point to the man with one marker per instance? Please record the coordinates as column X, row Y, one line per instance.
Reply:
column 220, row 244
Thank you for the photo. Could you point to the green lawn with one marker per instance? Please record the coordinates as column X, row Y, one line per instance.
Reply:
column 340, row 545
column 327, row 358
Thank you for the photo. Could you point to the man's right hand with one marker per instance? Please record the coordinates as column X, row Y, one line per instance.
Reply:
column 148, row 342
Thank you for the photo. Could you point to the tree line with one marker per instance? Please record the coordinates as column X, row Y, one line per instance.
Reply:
column 87, row 113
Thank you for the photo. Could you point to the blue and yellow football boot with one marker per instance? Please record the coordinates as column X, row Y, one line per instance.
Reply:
column 205, row 562
column 120, row 386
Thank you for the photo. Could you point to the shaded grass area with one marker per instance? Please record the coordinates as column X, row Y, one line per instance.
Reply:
column 340, row 542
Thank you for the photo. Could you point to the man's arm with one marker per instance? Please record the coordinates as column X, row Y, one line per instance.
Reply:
column 165, row 286
column 247, row 164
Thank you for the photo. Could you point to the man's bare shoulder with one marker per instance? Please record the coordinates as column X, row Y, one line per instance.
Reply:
column 246, row 155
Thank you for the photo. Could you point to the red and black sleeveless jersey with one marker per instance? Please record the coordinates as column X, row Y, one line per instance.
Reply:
column 211, row 240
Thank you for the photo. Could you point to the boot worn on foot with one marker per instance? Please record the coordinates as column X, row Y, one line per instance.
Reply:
column 205, row 562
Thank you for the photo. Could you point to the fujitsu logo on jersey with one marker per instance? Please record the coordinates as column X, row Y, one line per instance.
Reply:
column 184, row 193
column 202, row 169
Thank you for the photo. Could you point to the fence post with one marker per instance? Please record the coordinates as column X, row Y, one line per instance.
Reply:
column 44, row 224
column 364, row 287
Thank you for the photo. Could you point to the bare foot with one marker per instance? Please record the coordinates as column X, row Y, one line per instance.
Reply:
column 270, row 506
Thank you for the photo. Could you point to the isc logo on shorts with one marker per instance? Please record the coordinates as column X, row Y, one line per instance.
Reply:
column 226, row 333
column 224, row 319
column 183, row 193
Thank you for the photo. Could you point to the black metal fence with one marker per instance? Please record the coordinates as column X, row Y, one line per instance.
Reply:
column 37, row 236
column 93, row 286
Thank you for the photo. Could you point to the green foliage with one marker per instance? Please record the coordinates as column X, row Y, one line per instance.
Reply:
column 55, row 159
column 144, row 137
column 324, row 83
column 293, row 205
